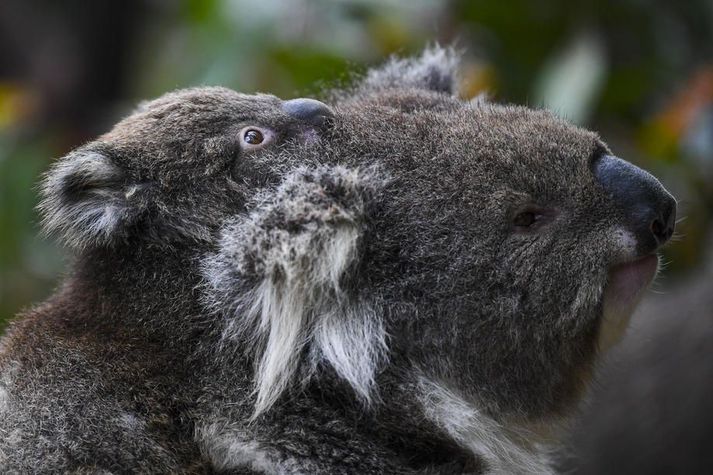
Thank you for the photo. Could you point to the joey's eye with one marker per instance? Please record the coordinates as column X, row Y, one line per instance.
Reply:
column 253, row 137
column 525, row 219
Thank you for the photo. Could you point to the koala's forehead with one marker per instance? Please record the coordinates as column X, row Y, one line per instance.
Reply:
column 188, row 114
column 487, row 148
column 436, row 122
column 531, row 151
column 527, row 136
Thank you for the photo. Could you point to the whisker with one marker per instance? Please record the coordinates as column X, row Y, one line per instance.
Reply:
column 677, row 237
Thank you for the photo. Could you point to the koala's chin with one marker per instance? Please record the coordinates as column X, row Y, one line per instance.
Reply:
column 625, row 288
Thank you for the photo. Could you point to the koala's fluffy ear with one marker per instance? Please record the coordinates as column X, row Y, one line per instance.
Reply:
column 287, row 272
column 435, row 70
column 88, row 200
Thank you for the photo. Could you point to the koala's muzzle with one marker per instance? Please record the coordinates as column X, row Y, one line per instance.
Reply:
column 649, row 210
column 307, row 110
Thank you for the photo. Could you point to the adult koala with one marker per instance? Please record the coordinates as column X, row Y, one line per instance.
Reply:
column 427, row 289
column 404, row 283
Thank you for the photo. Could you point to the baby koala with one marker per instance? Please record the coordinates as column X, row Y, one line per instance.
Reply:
column 398, row 281
column 101, row 377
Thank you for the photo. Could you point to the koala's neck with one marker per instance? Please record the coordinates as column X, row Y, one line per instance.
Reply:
column 418, row 426
column 153, row 288
column 502, row 446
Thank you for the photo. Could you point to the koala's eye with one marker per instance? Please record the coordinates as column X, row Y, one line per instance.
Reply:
column 525, row 219
column 253, row 137
column 531, row 218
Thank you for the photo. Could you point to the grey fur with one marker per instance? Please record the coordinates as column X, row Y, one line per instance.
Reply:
column 351, row 298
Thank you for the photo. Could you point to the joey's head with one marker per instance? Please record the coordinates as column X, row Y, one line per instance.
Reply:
column 173, row 169
column 491, row 250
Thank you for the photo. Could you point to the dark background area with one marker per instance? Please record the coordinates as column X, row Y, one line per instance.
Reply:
column 640, row 72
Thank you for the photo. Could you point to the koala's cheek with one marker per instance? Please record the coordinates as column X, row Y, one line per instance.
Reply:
column 309, row 137
column 625, row 287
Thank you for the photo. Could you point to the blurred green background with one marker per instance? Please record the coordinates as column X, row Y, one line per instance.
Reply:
column 640, row 72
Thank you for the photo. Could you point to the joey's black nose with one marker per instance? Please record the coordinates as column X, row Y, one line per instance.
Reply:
column 649, row 210
column 308, row 110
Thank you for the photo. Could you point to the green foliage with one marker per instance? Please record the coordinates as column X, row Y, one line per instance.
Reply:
column 29, row 264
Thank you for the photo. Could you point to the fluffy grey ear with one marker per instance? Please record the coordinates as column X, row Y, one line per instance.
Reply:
column 283, row 277
column 87, row 199
column 436, row 70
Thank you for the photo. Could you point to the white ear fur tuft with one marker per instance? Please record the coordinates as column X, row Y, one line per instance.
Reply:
column 353, row 342
column 85, row 200
column 280, row 275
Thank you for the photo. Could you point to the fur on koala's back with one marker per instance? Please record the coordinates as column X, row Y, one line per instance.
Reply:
column 86, row 388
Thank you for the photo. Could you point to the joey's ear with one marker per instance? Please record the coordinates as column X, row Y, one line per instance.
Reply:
column 436, row 70
column 88, row 199
column 288, row 274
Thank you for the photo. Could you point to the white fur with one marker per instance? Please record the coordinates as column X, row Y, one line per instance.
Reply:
column 299, row 247
column 283, row 313
column 227, row 450
column 353, row 343
column 4, row 400
column 304, row 308
column 504, row 449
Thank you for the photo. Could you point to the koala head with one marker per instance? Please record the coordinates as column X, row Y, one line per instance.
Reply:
column 172, row 170
column 490, row 249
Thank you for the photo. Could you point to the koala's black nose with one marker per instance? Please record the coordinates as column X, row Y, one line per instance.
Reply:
column 650, row 210
column 308, row 110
